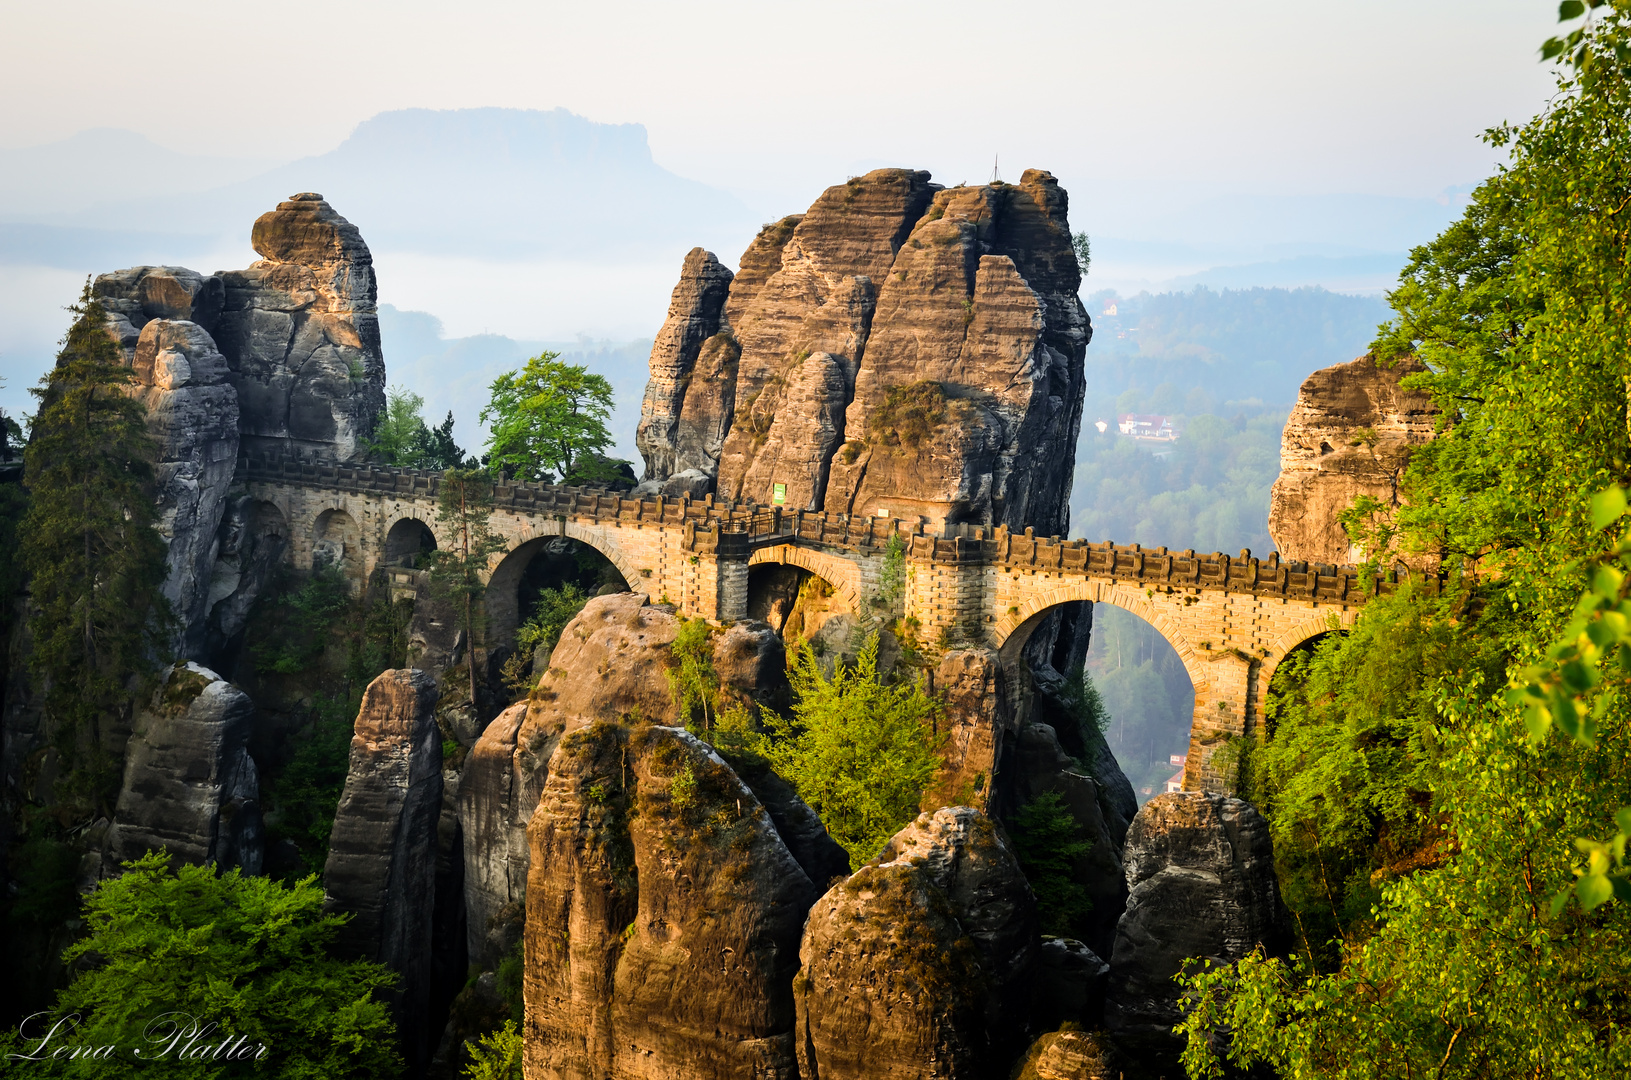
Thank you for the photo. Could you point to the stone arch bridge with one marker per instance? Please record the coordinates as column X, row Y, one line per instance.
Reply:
column 1232, row 619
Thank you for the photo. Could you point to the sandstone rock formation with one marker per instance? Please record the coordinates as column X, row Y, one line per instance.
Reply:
column 1200, row 870
column 1350, row 434
column 1070, row 1055
column 299, row 329
column 281, row 357
column 899, row 348
column 693, row 318
column 192, row 411
column 381, row 866
column 663, row 915
column 979, row 723
column 1070, row 984
column 610, row 664
column 302, row 331
column 919, row 964
column 190, row 785
column 140, row 294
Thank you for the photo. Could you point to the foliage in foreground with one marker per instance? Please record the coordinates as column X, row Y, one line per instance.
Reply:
column 496, row 1056
column 249, row 955
column 90, row 547
column 1503, row 955
column 859, row 751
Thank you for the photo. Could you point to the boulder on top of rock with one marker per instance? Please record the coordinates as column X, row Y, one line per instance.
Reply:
column 920, row 963
column 301, row 331
column 190, row 785
column 134, row 297
column 1200, row 873
column 663, row 915
column 1070, row 1055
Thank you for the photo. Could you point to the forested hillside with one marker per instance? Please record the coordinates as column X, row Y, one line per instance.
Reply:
column 1446, row 784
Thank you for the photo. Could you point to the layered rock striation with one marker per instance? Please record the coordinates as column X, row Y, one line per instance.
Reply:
column 190, row 786
column 1200, row 874
column 299, row 329
column 382, row 860
column 610, row 665
column 282, row 357
column 1350, row 434
column 920, row 963
column 663, row 915
column 900, row 349
column 192, row 410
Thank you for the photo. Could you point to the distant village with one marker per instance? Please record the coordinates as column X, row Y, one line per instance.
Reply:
column 1146, row 427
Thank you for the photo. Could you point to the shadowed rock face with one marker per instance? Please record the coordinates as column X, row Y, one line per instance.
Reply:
column 663, row 915
column 609, row 665
column 1200, row 870
column 382, row 850
column 299, row 329
column 1350, row 434
column 694, row 314
column 181, row 379
column 967, row 296
column 919, row 963
column 190, row 785
column 302, row 334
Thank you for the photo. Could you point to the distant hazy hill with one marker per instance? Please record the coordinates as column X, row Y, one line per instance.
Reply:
column 480, row 183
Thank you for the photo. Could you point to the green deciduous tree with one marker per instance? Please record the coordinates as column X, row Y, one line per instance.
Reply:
column 166, row 951
column 459, row 573
column 402, row 438
column 859, row 751
column 547, row 419
column 1498, row 956
column 89, row 545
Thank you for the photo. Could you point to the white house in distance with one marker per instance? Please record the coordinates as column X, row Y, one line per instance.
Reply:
column 1175, row 782
column 1147, row 426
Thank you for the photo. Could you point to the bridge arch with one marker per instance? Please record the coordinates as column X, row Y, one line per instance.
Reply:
column 1323, row 622
column 844, row 575
column 1015, row 629
column 506, row 575
column 336, row 540
column 407, row 538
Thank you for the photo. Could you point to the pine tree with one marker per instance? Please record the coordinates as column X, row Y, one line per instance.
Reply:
column 465, row 505
column 88, row 543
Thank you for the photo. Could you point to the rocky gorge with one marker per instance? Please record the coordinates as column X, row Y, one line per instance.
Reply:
column 674, row 906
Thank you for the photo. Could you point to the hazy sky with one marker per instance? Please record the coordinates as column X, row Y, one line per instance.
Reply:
column 775, row 100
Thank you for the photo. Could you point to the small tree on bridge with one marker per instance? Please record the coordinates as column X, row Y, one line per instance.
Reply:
column 465, row 506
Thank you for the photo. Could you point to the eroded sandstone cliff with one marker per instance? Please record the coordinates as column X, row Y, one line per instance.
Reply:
column 1350, row 435
column 899, row 348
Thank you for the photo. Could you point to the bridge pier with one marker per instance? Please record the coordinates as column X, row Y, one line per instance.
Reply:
column 1224, row 706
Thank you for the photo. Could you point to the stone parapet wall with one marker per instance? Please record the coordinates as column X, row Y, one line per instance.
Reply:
column 1231, row 618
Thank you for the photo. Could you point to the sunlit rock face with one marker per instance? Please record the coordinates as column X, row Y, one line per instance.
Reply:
column 920, row 963
column 1351, row 434
column 900, row 348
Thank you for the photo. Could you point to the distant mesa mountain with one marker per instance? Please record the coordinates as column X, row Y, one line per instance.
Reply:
column 479, row 183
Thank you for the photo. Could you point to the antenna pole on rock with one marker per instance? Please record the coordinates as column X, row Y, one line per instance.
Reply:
column 996, row 177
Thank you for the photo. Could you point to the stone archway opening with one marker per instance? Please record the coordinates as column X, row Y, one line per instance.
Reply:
column 1148, row 698
column 541, row 569
column 799, row 604
column 1145, row 690
column 1290, row 671
column 407, row 542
